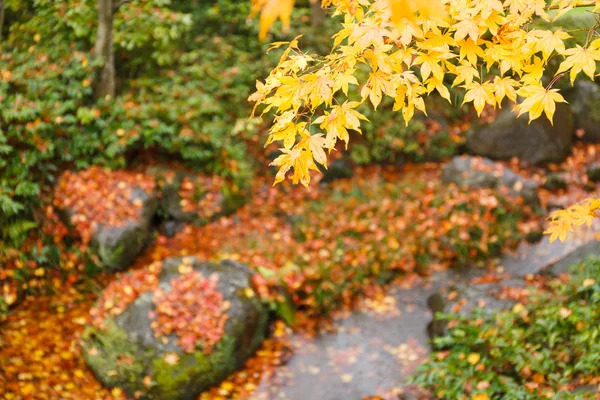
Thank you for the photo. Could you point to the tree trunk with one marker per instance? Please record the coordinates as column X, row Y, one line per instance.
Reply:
column 317, row 14
column 1, row 18
column 105, row 86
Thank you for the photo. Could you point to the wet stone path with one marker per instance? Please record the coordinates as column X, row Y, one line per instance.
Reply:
column 375, row 349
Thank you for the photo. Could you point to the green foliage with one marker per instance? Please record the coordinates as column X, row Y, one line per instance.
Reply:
column 180, row 97
column 543, row 349
column 41, row 94
column 371, row 231
column 144, row 30
column 387, row 139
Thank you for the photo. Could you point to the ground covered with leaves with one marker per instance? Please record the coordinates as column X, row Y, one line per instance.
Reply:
column 315, row 250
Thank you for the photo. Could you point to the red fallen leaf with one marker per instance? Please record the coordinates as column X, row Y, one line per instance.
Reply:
column 489, row 278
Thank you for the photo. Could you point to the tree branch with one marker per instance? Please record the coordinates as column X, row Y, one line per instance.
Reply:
column 585, row 4
column 1, row 18
column 119, row 4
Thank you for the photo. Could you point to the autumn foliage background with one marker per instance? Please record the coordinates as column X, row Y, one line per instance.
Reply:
column 362, row 103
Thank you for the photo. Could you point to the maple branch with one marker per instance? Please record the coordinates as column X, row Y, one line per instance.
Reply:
column 584, row 5
column 553, row 81
column 119, row 4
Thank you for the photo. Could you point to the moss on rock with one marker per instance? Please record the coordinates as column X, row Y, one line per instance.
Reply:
column 124, row 351
column 194, row 372
column 115, row 360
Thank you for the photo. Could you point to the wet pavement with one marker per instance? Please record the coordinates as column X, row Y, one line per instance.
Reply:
column 373, row 350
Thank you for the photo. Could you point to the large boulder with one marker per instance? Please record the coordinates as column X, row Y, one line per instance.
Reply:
column 585, row 102
column 536, row 142
column 478, row 172
column 174, row 329
column 189, row 197
column 109, row 210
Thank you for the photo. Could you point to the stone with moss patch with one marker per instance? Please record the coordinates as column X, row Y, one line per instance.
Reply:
column 118, row 243
column 188, row 197
column 125, row 351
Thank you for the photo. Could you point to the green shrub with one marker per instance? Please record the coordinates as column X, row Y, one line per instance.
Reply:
column 42, row 93
column 387, row 139
column 543, row 349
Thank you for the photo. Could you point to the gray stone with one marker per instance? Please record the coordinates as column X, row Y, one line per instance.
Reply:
column 578, row 255
column 222, row 199
column 171, row 228
column 145, row 374
column 478, row 172
column 550, row 258
column 585, row 103
column 338, row 169
column 463, row 297
column 538, row 142
column 118, row 245
column 170, row 201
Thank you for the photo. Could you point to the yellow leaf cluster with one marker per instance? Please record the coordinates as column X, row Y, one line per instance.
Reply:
column 561, row 222
column 271, row 11
column 410, row 49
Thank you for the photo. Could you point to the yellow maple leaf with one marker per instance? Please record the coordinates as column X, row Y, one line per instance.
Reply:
column 314, row 144
column 376, row 86
column 337, row 122
column 537, row 100
column 464, row 73
column 273, row 10
column 548, row 41
column 295, row 158
column 343, row 80
column 409, row 10
column 319, row 86
column 505, row 87
column 480, row 94
column 470, row 50
column 558, row 229
column 579, row 59
column 473, row 358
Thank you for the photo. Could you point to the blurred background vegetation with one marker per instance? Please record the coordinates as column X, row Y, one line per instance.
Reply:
column 183, row 72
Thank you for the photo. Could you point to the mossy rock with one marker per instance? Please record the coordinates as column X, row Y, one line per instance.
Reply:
column 224, row 199
column 536, row 143
column 481, row 172
column 126, row 353
column 585, row 103
column 117, row 246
